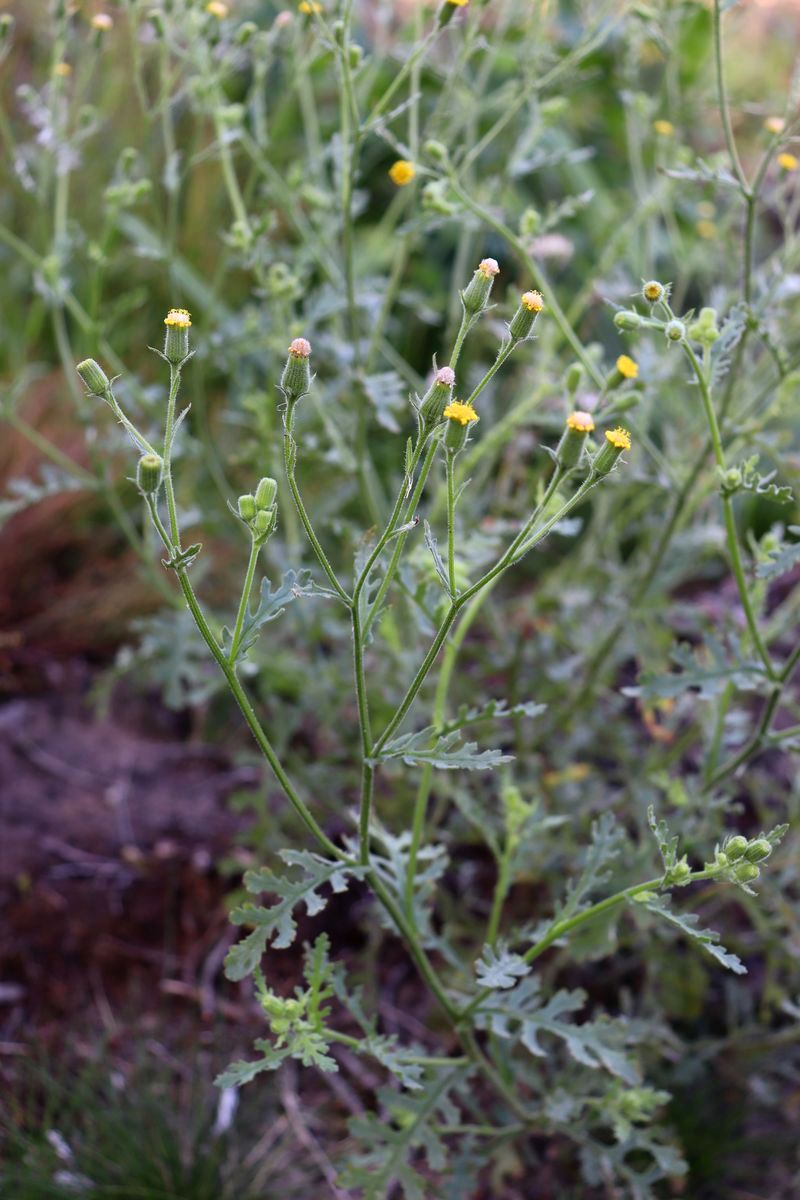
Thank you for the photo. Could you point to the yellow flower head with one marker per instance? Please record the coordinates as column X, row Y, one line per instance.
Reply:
column 217, row 9
column 489, row 267
column 63, row 70
column 103, row 22
column 775, row 125
column 310, row 6
column 533, row 301
column 619, row 438
column 463, row 413
column 402, row 172
column 788, row 161
column 664, row 128
column 627, row 367
column 179, row 317
column 653, row 290
column 458, row 3
column 706, row 229
column 581, row 422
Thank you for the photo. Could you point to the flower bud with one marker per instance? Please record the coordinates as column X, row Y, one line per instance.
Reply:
column 746, row 872
column 758, row 850
column 435, row 151
column 573, row 378
column 475, row 296
column 402, row 172
column 247, row 507
column 176, row 341
column 437, row 397
column 735, row 847
column 704, row 329
column 616, row 441
column 675, row 331
column 530, row 305
column 459, row 418
column 266, row 492
column 448, row 9
column 653, row 291
column 529, row 222
column 296, row 378
column 93, row 376
column 148, row 473
column 264, row 522
column 625, row 319
column 569, row 450
column 624, row 368
column 680, row 872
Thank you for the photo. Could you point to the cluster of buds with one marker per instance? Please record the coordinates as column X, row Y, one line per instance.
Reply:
column 475, row 296
column 438, row 396
column 258, row 510
column 296, row 377
column 704, row 330
column 740, row 856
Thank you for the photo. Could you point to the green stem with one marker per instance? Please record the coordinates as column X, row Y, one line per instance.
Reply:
column 289, row 456
column 247, row 588
column 451, row 524
column 727, row 509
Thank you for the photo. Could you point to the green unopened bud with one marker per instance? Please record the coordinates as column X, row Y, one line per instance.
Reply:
column 653, row 291
column 266, row 492
column 624, row 402
column 675, row 331
column 296, row 378
column 93, row 376
column 148, row 473
column 735, row 847
column 6, row 26
column 625, row 319
column 437, row 398
column 758, row 850
column 573, row 378
column 459, row 418
column 264, row 522
column 569, row 450
column 680, row 872
column 245, row 33
column 475, row 296
column 746, row 872
column 730, row 481
column 247, row 507
column 721, row 858
column 529, row 222
column 435, row 151
column 176, row 341
column 616, row 441
column 530, row 305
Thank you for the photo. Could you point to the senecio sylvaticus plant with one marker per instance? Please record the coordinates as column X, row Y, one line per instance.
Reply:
column 497, row 1025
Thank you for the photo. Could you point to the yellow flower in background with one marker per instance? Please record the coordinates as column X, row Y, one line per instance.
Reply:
column 627, row 367
column 458, row 3
column 664, row 128
column 619, row 438
column 217, row 9
column 789, row 162
column 706, row 229
column 463, row 413
column 402, row 172
column 310, row 6
column 63, row 70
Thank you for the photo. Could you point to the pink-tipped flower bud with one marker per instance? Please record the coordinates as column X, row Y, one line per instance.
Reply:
column 437, row 397
column 296, row 378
